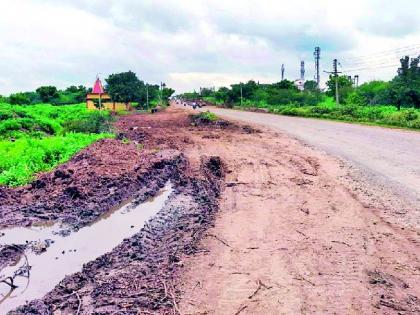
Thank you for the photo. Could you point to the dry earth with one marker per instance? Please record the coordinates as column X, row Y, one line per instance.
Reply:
column 291, row 237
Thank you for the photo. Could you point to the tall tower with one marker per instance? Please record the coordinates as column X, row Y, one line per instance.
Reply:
column 282, row 72
column 317, row 56
column 302, row 70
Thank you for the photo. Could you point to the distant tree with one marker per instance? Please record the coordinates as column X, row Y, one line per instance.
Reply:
column 167, row 93
column 374, row 92
column 206, row 92
column 405, row 87
column 345, row 86
column 73, row 94
column 19, row 99
column 222, row 94
column 285, row 84
column 47, row 93
column 124, row 87
column 310, row 85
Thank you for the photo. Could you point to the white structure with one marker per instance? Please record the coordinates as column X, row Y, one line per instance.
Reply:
column 299, row 83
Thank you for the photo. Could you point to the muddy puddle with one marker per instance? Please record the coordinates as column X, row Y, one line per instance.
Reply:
column 54, row 252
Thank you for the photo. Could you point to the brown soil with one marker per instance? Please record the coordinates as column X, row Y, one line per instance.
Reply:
column 282, row 235
column 290, row 237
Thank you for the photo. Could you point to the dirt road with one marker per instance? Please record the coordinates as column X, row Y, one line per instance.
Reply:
column 391, row 156
column 293, row 237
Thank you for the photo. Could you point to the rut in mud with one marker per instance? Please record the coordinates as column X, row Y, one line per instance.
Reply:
column 140, row 273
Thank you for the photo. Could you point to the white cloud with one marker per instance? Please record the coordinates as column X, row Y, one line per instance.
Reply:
column 190, row 44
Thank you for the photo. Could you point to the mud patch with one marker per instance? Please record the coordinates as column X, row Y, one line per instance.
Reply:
column 138, row 276
column 95, row 180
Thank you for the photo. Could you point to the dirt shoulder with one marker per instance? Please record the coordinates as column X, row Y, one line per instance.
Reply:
column 292, row 237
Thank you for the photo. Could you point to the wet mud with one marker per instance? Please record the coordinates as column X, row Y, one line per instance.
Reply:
column 139, row 275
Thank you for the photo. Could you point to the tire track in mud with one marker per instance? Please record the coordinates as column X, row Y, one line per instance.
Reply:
column 140, row 274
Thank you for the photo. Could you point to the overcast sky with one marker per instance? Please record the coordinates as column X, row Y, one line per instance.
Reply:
column 189, row 44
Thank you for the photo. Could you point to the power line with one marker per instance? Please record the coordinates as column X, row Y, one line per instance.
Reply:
column 370, row 67
column 385, row 52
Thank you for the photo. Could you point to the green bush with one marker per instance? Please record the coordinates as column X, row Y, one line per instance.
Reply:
column 95, row 122
column 206, row 116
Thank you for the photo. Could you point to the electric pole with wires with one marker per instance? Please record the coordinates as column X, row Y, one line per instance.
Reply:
column 335, row 72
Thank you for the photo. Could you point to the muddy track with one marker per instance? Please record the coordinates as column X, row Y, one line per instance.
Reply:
column 139, row 274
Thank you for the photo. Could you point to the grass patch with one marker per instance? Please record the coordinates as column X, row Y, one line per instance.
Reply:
column 37, row 138
column 21, row 159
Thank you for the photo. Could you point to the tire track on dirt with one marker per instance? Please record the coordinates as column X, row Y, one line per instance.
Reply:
column 292, row 225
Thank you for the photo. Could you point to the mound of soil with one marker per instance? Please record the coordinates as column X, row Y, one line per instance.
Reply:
column 95, row 180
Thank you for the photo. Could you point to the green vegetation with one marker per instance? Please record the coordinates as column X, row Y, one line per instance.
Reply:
column 36, row 135
column 36, row 138
column 378, row 114
column 48, row 94
column 206, row 117
column 127, row 87
column 393, row 103
column 21, row 159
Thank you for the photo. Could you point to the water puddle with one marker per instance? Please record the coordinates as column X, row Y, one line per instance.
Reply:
column 67, row 254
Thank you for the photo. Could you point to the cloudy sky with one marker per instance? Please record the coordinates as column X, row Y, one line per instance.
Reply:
column 189, row 44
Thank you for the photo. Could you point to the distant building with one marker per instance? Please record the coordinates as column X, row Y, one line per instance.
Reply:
column 99, row 99
column 299, row 83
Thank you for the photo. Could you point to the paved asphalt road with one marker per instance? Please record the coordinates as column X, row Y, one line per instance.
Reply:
column 393, row 155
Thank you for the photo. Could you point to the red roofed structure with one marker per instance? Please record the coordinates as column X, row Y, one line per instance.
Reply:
column 99, row 99
column 97, row 87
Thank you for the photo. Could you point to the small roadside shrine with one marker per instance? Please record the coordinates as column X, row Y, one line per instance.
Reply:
column 98, row 99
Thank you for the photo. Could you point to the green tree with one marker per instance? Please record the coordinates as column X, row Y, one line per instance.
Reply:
column 345, row 86
column 124, row 87
column 206, row 92
column 373, row 92
column 167, row 93
column 47, row 93
column 285, row 84
column 19, row 99
column 310, row 85
column 405, row 87
column 222, row 94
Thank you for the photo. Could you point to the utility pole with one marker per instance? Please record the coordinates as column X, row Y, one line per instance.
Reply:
column 337, row 100
column 147, row 95
column 241, row 94
column 302, row 70
column 356, row 80
column 317, row 55
column 160, row 93
column 282, row 72
column 335, row 72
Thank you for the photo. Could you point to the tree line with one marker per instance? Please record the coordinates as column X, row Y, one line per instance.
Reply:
column 402, row 91
column 122, row 87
